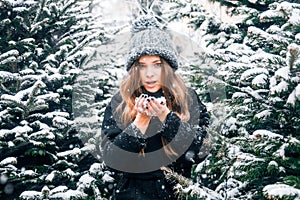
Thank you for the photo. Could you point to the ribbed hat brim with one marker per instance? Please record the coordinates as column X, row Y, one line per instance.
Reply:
column 152, row 41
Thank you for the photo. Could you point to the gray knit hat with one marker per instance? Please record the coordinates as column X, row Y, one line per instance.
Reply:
column 149, row 39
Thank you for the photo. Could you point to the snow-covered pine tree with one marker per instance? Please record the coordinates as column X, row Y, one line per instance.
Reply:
column 43, row 45
column 199, row 72
column 256, row 154
column 194, row 14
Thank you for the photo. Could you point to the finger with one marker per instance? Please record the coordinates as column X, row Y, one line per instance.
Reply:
column 156, row 107
column 142, row 104
column 138, row 101
column 141, row 110
column 156, row 104
column 161, row 100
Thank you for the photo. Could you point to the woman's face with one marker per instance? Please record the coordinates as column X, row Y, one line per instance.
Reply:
column 150, row 70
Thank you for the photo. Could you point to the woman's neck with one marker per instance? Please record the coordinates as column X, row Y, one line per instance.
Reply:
column 158, row 93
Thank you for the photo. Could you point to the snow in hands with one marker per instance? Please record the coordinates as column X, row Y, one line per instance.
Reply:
column 161, row 100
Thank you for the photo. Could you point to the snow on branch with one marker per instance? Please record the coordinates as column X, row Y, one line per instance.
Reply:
column 67, row 6
column 294, row 96
column 293, row 56
column 294, row 19
column 81, row 45
column 30, row 195
column 73, row 152
column 86, row 180
column 283, row 72
column 268, row 58
column 29, row 94
column 297, row 37
column 185, row 187
column 267, row 134
column 260, row 80
column 38, row 26
column 9, row 99
column 254, row 93
column 9, row 57
column 34, row 90
column 255, row 71
column 231, row 188
column 11, row 53
column 41, row 135
column 70, row 194
column 269, row 15
column 9, row 160
column 7, row 76
column 259, row 34
column 51, row 194
column 246, row 159
column 38, row 14
column 240, row 50
column 220, row 57
column 281, row 87
column 280, row 190
column 263, row 114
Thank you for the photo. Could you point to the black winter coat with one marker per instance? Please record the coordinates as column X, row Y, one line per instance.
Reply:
column 140, row 174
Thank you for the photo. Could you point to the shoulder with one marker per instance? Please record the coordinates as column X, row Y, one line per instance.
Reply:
column 194, row 98
column 116, row 99
column 113, row 103
column 197, row 109
column 192, row 95
column 112, row 107
column 191, row 91
column 117, row 96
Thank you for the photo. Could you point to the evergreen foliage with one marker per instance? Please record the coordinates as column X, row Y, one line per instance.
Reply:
column 56, row 78
column 255, row 155
column 43, row 48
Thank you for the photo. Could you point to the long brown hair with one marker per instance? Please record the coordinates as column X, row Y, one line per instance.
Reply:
column 173, row 87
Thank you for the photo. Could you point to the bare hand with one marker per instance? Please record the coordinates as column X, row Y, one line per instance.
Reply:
column 158, row 108
column 142, row 118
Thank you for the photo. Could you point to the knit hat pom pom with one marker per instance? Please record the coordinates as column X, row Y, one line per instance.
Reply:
column 143, row 23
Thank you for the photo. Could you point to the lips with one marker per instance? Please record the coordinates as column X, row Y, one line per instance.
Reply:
column 151, row 86
column 150, row 83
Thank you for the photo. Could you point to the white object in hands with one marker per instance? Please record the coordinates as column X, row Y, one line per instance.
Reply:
column 162, row 100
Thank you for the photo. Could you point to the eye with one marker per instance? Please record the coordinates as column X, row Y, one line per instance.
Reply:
column 158, row 65
column 141, row 66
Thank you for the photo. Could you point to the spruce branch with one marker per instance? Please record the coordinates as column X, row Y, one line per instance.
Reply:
column 175, row 177
column 9, row 99
column 37, row 26
column 82, row 44
column 145, row 9
column 12, row 53
column 96, row 191
column 34, row 91
column 62, row 67
column 38, row 14
column 293, row 55
column 260, row 35
column 248, row 90
column 148, row 8
column 16, row 101
column 8, row 77
column 4, row 88
column 68, row 6
column 186, row 188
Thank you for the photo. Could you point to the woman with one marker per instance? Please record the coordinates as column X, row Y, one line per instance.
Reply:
column 154, row 121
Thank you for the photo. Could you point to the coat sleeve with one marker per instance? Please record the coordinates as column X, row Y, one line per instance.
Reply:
column 186, row 138
column 130, row 139
column 120, row 146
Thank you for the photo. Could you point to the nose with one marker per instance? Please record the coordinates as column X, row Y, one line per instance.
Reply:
column 150, row 71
